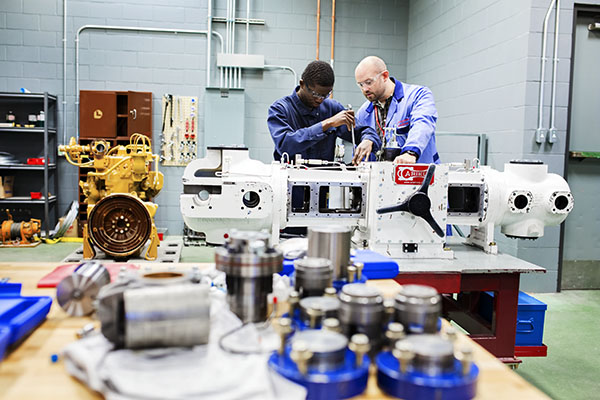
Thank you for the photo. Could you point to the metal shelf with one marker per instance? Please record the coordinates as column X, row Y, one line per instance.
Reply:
column 27, row 130
column 23, row 96
column 27, row 200
column 28, row 167
column 584, row 154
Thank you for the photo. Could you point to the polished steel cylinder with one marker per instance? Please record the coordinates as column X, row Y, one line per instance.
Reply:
column 332, row 243
column 249, row 264
column 418, row 308
column 76, row 293
column 434, row 355
column 155, row 310
column 327, row 306
column 328, row 348
column 313, row 275
column 362, row 311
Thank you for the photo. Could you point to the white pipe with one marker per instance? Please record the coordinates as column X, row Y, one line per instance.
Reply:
column 64, row 94
column 247, row 24
column 122, row 28
column 208, row 41
column 540, row 135
column 552, row 133
column 286, row 68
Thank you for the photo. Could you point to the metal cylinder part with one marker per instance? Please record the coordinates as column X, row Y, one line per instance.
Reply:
column 434, row 355
column 249, row 264
column 155, row 310
column 76, row 293
column 328, row 307
column 362, row 311
column 418, row 308
column 313, row 275
column 328, row 348
column 333, row 243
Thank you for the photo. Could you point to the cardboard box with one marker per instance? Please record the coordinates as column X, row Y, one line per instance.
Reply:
column 72, row 231
column 6, row 186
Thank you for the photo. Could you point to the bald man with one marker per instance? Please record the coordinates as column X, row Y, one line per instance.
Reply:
column 403, row 116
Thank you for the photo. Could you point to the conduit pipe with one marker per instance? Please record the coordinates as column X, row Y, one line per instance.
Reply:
column 286, row 68
column 208, row 41
column 540, row 133
column 123, row 28
column 64, row 93
column 318, row 26
column 332, row 31
column 552, row 136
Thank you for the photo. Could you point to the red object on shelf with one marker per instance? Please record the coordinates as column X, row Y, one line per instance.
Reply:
column 36, row 195
column 36, row 161
column 160, row 236
column 531, row 351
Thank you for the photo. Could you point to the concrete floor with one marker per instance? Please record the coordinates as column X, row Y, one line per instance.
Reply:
column 571, row 370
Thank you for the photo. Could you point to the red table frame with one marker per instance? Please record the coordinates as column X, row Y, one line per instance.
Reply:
column 497, row 336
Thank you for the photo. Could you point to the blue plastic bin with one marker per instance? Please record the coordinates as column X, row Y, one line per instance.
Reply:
column 530, row 317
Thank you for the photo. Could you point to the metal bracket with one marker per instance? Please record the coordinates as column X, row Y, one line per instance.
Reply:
column 540, row 135
column 552, row 136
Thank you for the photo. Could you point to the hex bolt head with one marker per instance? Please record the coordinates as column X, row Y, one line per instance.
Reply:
column 330, row 292
column 465, row 355
column 300, row 355
column 283, row 326
column 351, row 273
column 403, row 351
column 332, row 324
column 359, row 344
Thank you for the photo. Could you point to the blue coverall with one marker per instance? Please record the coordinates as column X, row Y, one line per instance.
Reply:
column 296, row 129
column 413, row 115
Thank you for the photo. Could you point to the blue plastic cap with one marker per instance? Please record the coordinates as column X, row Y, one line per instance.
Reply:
column 54, row 358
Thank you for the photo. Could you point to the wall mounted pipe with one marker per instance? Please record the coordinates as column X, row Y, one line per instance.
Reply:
column 318, row 26
column 124, row 28
column 208, row 41
column 64, row 94
column 286, row 68
column 332, row 33
column 552, row 133
column 540, row 133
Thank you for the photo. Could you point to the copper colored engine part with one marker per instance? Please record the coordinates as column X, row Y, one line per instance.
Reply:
column 21, row 232
column 120, row 225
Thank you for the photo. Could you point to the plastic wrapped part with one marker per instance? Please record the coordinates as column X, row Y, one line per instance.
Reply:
column 328, row 348
column 328, row 307
column 313, row 275
column 160, row 309
column 362, row 311
column 418, row 308
column 333, row 243
column 77, row 292
column 249, row 263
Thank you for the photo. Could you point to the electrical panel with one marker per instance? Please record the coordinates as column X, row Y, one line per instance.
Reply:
column 179, row 139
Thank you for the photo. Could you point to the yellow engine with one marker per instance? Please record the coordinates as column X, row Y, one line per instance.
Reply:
column 120, row 216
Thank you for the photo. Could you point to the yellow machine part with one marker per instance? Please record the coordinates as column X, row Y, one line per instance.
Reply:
column 19, row 233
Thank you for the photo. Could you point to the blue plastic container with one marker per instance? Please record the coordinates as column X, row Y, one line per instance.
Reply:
column 530, row 317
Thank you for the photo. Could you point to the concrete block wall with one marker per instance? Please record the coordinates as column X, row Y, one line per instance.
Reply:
column 31, row 57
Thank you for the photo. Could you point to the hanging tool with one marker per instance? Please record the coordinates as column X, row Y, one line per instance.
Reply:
column 349, row 108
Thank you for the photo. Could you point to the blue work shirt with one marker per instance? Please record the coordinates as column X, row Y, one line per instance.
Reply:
column 413, row 115
column 296, row 129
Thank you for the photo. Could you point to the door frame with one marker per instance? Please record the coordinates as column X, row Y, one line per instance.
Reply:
column 578, row 10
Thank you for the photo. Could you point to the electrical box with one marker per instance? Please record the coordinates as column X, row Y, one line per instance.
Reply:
column 224, row 113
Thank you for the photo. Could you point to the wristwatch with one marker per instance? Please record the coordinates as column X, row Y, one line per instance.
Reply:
column 412, row 153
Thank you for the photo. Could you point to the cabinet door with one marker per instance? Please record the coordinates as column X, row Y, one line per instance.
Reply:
column 139, row 119
column 97, row 114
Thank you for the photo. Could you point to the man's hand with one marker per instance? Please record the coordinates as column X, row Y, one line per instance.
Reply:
column 345, row 117
column 405, row 159
column 362, row 151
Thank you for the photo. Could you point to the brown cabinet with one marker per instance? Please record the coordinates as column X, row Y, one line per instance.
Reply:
column 114, row 114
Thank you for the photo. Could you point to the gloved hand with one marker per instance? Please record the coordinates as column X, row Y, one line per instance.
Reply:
column 362, row 151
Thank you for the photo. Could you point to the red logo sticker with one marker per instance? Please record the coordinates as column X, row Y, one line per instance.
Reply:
column 407, row 174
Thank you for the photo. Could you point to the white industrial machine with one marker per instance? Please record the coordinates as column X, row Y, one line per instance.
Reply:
column 397, row 210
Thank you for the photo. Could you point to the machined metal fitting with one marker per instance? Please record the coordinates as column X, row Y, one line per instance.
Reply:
column 359, row 344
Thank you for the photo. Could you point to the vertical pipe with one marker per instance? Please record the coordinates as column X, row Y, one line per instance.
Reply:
column 64, row 94
column 208, row 41
column 541, row 132
column 318, row 26
column 247, row 24
column 332, row 37
column 76, row 111
column 45, row 197
column 552, row 133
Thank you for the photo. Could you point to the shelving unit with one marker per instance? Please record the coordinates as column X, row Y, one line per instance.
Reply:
column 23, row 143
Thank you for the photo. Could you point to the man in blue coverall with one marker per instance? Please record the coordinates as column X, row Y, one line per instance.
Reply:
column 307, row 122
column 403, row 115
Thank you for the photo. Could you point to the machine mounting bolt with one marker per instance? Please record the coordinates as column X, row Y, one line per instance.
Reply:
column 403, row 351
column 283, row 326
column 300, row 354
column 359, row 345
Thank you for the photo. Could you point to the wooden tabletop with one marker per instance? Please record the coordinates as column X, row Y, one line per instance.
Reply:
column 28, row 372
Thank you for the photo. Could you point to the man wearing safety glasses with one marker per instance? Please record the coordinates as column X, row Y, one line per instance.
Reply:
column 403, row 115
column 307, row 122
